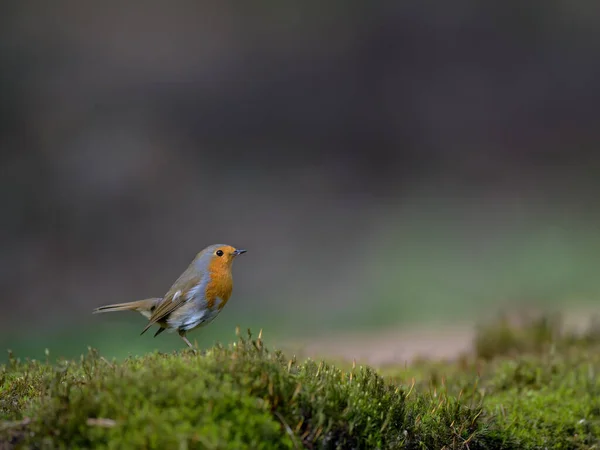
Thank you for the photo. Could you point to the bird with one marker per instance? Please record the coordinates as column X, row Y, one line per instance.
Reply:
column 196, row 297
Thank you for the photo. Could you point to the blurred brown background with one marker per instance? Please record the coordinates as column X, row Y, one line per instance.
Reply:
column 382, row 162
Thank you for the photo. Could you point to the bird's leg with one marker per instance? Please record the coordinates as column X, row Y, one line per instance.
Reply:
column 185, row 339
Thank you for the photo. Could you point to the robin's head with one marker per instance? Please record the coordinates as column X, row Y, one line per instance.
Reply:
column 219, row 255
column 225, row 254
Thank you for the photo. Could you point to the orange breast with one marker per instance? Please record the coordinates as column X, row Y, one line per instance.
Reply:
column 220, row 284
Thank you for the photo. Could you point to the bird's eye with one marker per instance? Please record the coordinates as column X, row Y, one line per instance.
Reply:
column 219, row 253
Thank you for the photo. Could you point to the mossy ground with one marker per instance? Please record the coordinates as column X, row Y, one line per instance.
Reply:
column 531, row 386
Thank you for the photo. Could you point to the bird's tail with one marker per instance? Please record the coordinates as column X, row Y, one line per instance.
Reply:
column 145, row 307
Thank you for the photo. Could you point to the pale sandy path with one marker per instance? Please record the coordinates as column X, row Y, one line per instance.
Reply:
column 403, row 345
column 389, row 347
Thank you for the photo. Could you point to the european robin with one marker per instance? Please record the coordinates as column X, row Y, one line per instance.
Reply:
column 195, row 299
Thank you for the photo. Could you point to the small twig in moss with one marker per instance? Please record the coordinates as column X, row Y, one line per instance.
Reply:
column 107, row 362
column 288, row 429
column 101, row 422
column 6, row 425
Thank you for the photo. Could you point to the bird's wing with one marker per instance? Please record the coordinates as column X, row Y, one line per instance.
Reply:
column 173, row 300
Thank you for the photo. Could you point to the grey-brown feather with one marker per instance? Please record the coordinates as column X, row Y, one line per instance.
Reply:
column 145, row 307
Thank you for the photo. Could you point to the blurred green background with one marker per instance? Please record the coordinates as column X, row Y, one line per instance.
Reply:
column 412, row 273
column 386, row 165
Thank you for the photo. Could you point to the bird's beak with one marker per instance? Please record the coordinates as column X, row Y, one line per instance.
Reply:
column 238, row 252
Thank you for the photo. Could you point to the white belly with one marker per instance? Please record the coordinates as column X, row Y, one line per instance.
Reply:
column 196, row 319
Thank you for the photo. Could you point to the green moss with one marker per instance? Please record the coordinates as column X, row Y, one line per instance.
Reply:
column 552, row 401
column 531, row 334
column 543, row 393
column 20, row 383
column 501, row 337
column 243, row 396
